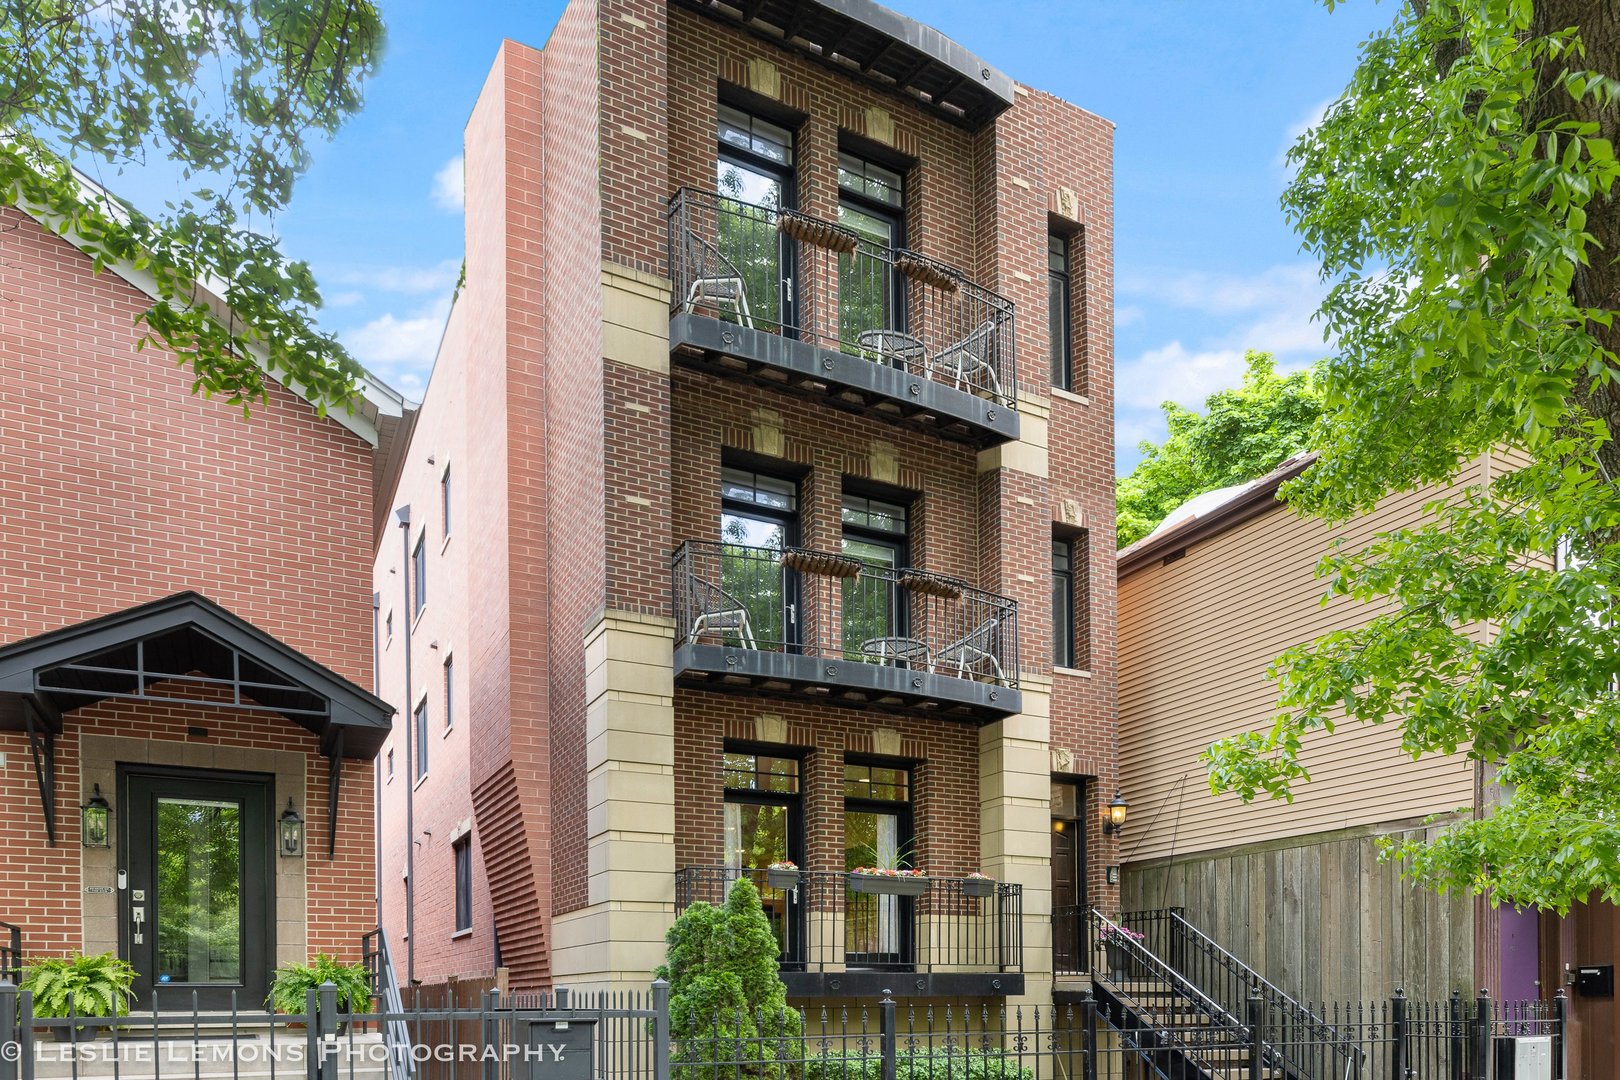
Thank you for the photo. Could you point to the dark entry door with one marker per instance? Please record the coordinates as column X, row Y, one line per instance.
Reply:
column 1068, row 880
column 197, row 913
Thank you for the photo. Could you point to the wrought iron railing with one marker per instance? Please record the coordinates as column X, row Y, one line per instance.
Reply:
column 385, row 988
column 824, row 923
column 1234, row 984
column 11, row 954
column 787, row 273
column 792, row 600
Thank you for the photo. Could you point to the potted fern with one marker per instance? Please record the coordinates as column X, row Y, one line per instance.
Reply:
column 78, row 985
column 294, row 981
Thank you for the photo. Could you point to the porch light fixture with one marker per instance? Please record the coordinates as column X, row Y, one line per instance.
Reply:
column 93, row 817
column 1115, row 825
column 292, row 832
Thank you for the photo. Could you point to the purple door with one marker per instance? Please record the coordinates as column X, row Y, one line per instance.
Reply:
column 1521, row 953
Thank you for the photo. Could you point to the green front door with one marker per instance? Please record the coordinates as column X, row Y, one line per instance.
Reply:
column 198, row 907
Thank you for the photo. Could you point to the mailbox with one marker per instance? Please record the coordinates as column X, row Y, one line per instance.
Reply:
column 1524, row 1057
column 1595, row 980
column 561, row 1046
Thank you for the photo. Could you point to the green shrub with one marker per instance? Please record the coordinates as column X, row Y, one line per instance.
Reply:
column 96, row 985
column 918, row 1065
column 287, row 993
column 728, row 1013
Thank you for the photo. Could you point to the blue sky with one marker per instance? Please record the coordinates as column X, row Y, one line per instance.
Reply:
column 1206, row 97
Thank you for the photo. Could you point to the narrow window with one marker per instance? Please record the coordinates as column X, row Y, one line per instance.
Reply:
column 1059, row 311
column 388, row 623
column 421, row 740
column 876, row 611
column 759, row 516
column 463, row 854
column 755, row 179
column 1062, row 603
column 449, row 693
column 871, row 296
column 444, row 499
column 419, row 575
column 390, row 764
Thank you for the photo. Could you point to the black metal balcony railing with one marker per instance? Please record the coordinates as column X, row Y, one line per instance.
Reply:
column 11, row 954
column 823, row 926
column 811, row 603
column 799, row 277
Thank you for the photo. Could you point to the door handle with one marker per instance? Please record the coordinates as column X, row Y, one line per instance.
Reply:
column 137, row 916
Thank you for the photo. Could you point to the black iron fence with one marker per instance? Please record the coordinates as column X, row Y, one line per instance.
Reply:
column 630, row 1036
column 838, row 922
column 790, row 274
column 830, row 605
column 11, row 954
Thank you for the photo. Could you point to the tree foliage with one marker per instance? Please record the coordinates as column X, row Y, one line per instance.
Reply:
column 231, row 91
column 1243, row 433
column 1459, row 197
column 728, row 1012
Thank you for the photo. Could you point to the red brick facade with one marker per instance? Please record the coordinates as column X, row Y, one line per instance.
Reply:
column 122, row 486
column 585, row 472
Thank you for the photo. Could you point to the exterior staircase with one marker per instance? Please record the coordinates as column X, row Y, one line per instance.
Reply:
column 1195, row 1012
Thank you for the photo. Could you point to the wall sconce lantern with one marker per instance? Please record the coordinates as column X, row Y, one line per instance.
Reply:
column 1115, row 825
column 292, row 832
column 94, row 817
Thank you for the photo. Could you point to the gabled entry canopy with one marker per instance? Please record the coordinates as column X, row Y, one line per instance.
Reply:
column 182, row 649
column 186, row 648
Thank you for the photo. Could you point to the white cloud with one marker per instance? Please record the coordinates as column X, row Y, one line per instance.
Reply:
column 401, row 348
column 345, row 299
column 449, row 186
column 1300, row 127
column 1127, row 315
column 413, row 280
column 1176, row 373
column 1225, row 294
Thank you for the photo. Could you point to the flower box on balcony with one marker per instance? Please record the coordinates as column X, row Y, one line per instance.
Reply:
column 979, row 886
column 782, row 877
column 889, row 882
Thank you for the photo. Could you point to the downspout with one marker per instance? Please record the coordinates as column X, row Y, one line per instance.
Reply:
column 376, row 762
column 404, row 515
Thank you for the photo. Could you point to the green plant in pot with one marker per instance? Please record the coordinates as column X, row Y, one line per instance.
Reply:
column 294, row 981
column 78, row 985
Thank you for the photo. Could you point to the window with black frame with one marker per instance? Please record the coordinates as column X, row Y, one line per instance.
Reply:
column 463, row 856
column 878, row 835
column 763, row 826
column 1059, row 311
column 754, row 177
column 759, row 516
column 872, row 205
column 1062, row 602
column 875, row 615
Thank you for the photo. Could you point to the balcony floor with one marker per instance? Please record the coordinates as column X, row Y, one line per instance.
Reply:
column 872, row 985
column 851, row 383
column 848, row 683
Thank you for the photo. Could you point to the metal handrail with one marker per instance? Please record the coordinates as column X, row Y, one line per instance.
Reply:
column 385, row 987
column 785, row 272
column 829, row 605
column 1287, row 1013
column 11, row 954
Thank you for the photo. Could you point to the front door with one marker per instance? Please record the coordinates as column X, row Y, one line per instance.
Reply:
column 1068, row 880
column 197, row 912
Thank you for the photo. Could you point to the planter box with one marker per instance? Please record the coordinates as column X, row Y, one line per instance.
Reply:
column 980, row 887
column 1118, row 961
column 782, row 879
column 888, row 886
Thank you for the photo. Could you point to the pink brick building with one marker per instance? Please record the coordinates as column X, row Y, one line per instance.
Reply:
column 760, row 509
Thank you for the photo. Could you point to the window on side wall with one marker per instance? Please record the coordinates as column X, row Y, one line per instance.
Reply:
column 419, row 575
column 449, row 692
column 463, row 857
column 1071, row 601
column 1060, row 311
column 421, row 739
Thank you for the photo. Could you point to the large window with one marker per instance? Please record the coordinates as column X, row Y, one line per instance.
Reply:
column 877, row 833
column 1059, row 311
column 755, row 178
column 871, row 204
column 875, row 615
column 759, row 516
column 462, row 850
column 762, row 826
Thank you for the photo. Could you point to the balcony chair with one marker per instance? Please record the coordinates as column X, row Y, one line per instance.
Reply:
column 973, row 649
column 718, row 612
column 969, row 363
column 715, row 279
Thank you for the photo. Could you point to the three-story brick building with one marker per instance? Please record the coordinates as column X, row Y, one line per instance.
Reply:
column 760, row 510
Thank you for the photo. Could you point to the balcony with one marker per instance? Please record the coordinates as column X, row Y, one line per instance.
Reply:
column 785, row 300
column 836, row 941
column 815, row 625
